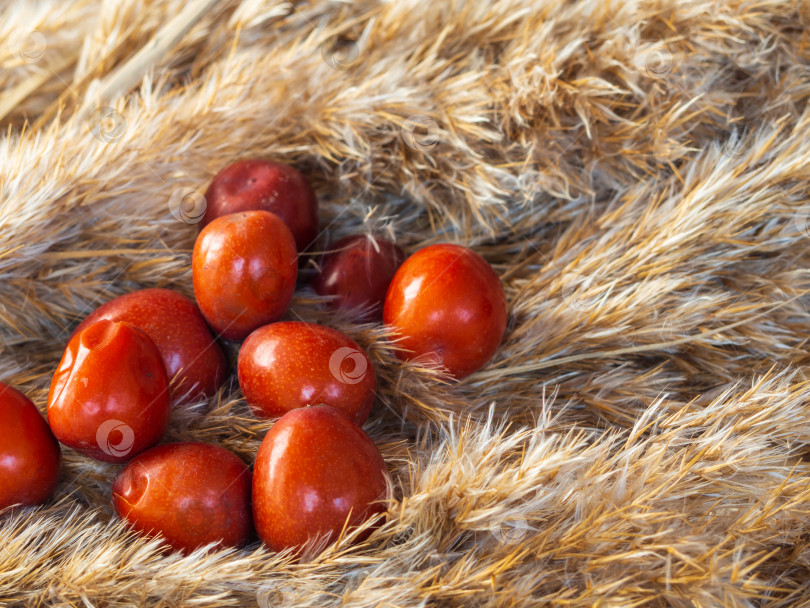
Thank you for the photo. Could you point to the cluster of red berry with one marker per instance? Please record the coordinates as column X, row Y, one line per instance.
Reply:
column 316, row 472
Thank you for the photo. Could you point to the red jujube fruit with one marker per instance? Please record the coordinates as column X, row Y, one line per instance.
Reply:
column 263, row 185
column 357, row 271
column 315, row 471
column 194, row 361
column 244, row 268
column 109, row 397
column 283, row 366
column 191, row 493
column 30, row 457
column 447, row 303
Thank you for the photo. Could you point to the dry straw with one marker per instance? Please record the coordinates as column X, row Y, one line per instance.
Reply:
column 636, row 172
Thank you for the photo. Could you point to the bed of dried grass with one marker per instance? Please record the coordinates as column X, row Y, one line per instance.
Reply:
column 636, row 172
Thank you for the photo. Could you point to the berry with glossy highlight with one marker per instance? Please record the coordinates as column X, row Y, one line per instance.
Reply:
column 316, row 470
column 194, row 362
column 244, row 268
column 256, row 184
column 192, row 493
column 30, row 458
column 283, row 366
column 448, row 305
column 357, row 272
column 109, row 397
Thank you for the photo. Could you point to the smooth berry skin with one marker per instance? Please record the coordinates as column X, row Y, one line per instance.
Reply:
column 30, row 457
column 284, row 366
column 194, row 362
column 357, row 272
column 315, row 470
column 244, row 268
column 109, row 397
column 256, row 184
column 449, row 306
column 192, row 493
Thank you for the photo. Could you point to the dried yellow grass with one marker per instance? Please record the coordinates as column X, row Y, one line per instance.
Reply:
column 636, row 172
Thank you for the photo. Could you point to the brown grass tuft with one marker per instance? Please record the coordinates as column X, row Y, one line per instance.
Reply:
column 635, row 172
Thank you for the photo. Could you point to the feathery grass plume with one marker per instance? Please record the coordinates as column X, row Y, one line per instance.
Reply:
column 635, row 172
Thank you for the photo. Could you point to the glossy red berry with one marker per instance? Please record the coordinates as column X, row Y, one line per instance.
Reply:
column 357, row 272
column 193, row 494
column 244, row 268
column 30, row 457
column 288, row 365
column 253, row 185
column 315, row 471
column 194, row 361
column 448, row 304
column 109, row 397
